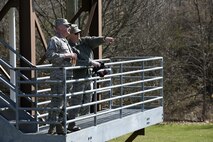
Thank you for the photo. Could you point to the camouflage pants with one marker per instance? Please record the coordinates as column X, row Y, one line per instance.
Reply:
column 80, row 99
column 57, row 103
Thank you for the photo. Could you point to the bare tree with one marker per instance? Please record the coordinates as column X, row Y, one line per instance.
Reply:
column 191, row 70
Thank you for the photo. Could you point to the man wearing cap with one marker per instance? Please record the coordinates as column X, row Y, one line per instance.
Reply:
column 60, row 54
column 85, row 46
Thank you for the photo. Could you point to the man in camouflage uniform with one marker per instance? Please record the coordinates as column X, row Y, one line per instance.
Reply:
column 60, row 54
column 85, row 46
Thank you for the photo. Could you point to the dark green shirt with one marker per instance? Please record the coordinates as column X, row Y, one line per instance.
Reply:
column 85, row 55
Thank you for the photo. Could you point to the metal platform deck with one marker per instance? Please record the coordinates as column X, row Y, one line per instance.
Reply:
column 131, row 99
column 109, row 127
column 116, row 126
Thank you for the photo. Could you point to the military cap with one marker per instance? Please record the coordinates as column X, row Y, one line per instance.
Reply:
column 61, row 21
column 74, row 28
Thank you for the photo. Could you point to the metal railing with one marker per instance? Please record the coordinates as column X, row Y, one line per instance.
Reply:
column 133, row 85
column 5, row 66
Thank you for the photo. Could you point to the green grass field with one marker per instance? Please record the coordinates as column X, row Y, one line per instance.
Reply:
column 175, row 132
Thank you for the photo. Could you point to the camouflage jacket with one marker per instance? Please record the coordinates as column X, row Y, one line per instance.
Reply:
column 55, row 54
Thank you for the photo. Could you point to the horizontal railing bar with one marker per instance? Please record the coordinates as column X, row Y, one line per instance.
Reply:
column 116, row 86
column 149, row 97
column 137, row 57
column 97, row 102
column 43, row 78
column 134, row 67
column 99, row 89
column 115, row 74
column 40, row 95
column 93, row 78
column 113, row 98
column 134, row 61
column 102, row 91
column 39, row 82
column 43, row 103
column 38, row 122
column 43, row 90
column 39, row 109
column 50, row 68
column 112, row 110
column 43, row 65
column 42, row 115
column 127, row 77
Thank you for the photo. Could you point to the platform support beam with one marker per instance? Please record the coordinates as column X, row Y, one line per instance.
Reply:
column 27, row 44
column 135, row 134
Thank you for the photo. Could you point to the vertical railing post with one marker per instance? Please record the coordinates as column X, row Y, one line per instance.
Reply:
column 65, row 100
column 95, row 100
column 121, row 90
column 161, row 81
column 142, row 86
column 17, row 72
column 12, row 41
column 36, row 98
column 110, row 92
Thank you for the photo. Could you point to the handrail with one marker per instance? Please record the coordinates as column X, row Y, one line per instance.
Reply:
column 137, row 78
column 4, row 72
column 9, row 104
column 7, row 65
column 7, row 83
column 129, row 79
column 5, row 44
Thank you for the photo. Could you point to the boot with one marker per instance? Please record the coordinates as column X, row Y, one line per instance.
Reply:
column 60, row 129
column 52, row 129
column 73, row 127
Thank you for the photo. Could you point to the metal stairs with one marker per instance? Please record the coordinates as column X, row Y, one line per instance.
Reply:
column 8, row 111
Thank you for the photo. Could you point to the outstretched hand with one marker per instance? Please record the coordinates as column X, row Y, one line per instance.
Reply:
column 109, row 40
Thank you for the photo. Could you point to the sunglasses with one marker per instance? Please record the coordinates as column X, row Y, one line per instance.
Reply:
column 67, row 26
column 76, row 33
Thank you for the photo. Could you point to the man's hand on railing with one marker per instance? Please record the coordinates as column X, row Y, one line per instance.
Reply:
column 95, row 63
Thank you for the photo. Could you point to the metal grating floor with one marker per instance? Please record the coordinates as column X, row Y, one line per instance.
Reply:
column 106, row 117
